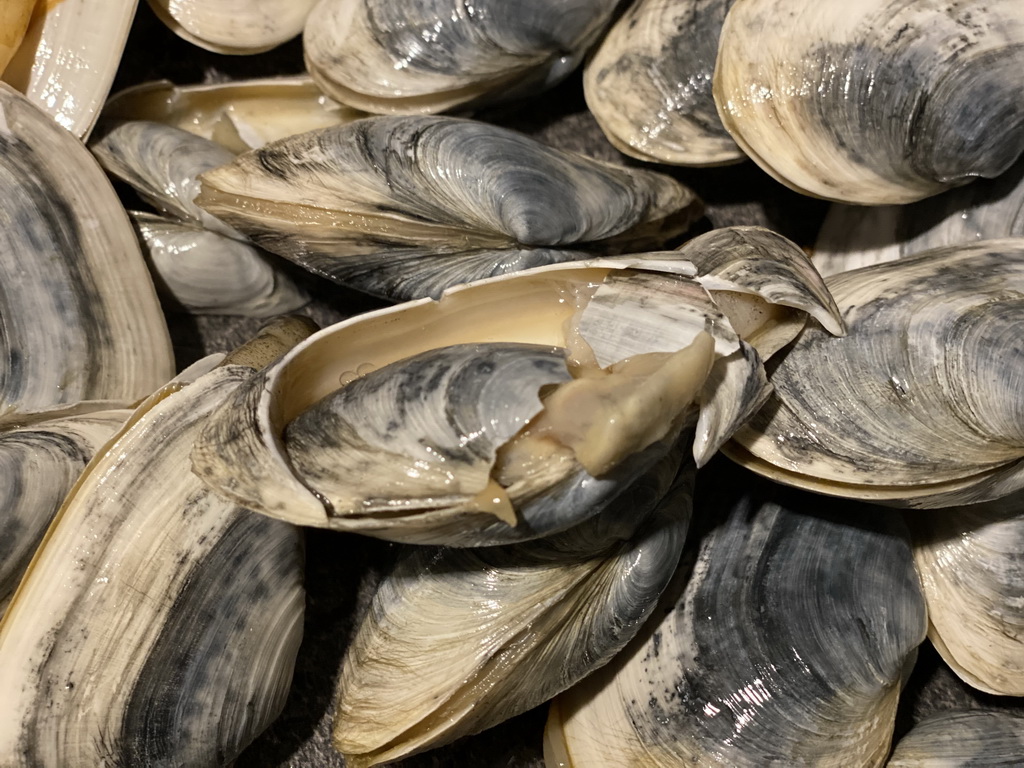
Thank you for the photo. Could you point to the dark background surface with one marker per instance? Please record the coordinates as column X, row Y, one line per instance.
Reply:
column 343, row 569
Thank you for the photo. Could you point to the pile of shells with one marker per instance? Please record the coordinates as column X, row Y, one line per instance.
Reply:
column 423, row 391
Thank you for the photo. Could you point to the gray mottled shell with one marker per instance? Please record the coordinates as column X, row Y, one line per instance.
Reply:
column 431, row 55
column 971, row 561
column 234, row 26
column 920, row 399
column 81, row 320
column 162, row 163
column 649, row 83
column 969, row 739
column 874, row 102
column 208, row 273
column 377, row 203
column 786, row 646
column 239, row 114
column 423, row 432
column 496, row 631
column 158, row 625
column 38, row 466
column 856, row 236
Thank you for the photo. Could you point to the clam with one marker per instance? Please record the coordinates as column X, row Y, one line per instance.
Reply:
column 406, row 56
column 67, row 60
column 785, row 646
column 874, row 102
column 961, row 739
column 234, row 26
column 81, row 320
column 970, row 561
column 856, row 236
column 162, row 164
column 457, row 640
column 14, row 19
column 398, row 423
column 649, row 83
column 405, row 207
column 239, row 115
column 157, row 624
column 38, row 466
column 208, row 273
column 919, row 405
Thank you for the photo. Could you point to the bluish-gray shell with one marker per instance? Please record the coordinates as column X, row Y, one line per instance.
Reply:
column 970, row 739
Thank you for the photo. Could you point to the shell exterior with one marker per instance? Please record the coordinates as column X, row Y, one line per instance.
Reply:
column 495, row 631
column 207, row 273
column 234, row 26
column 875, row 102
column 239, row 115
column 157, row 624
column 69, row 56
column 856, row 236
column 649, row 83
column 601, row 311
column 163, row 165
column 81, row 320
column 38, row 466
column 785, row 646
column 972, row 568
column 919, row 403
column 405, row 207
column 962, row 739
column 415, row 57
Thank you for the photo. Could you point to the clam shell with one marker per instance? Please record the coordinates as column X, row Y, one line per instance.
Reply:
column 207, row 273
column 972, row 568
column 234, row 26
column 856, row 236
column 69, row 56
column 416, row 57
column 405, row 207
column 458, row 640
column 163, row 165
column 785, row 646
column 38, row 466
column 962, row 739
column 918, row 405
column 239, row 115
column 649, row 83
column 157, row 624
column 81, row 319
column 875, row 102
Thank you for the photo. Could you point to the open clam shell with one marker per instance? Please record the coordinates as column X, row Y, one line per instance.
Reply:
column 852, row 237
column 38, row 466
column 649, row 83
column 234, row 26
column 406, row 56
column 602, row 312
column 458, row 640
column 208, row 273
column 962, row 739
column 69, row 56
column 405, row 207
column 786, row 645
column 873, row 102
column 81, row 320
column 972, row 568
column 157, row 624
column 919, row 404
column 239, row 115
